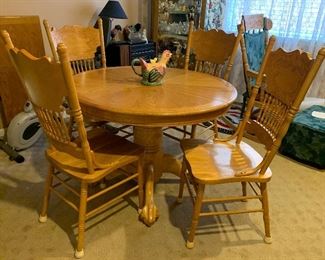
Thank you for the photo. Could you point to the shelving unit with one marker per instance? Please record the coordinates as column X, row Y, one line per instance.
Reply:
column 170, row 22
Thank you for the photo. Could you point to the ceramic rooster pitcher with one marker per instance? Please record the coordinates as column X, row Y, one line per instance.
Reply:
column 152, row 73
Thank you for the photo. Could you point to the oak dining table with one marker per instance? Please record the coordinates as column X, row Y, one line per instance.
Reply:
column 115, row 94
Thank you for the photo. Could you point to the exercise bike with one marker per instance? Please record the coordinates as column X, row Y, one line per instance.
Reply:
column 23, row 131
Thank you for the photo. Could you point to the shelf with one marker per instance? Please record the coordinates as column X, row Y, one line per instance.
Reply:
column 179, row 12
column 171, row 35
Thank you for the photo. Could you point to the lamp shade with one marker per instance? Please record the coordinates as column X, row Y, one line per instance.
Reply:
column 113, row 9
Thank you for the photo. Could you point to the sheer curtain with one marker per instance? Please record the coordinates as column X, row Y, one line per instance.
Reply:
column 297, row 24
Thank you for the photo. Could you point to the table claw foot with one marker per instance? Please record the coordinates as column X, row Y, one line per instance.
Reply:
column 149, row 214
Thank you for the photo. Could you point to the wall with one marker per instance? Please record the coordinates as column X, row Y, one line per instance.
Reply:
column 60, row 12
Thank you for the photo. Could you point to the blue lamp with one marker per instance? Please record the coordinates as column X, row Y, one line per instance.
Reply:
column 111, row 10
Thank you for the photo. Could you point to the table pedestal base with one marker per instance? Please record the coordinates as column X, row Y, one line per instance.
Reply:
column 155, row 163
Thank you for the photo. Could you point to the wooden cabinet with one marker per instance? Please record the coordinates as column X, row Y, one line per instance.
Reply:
column 170, row 22
column 25, row 32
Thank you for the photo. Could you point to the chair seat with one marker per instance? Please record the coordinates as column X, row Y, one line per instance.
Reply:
column 218, row 162
column 109, row 150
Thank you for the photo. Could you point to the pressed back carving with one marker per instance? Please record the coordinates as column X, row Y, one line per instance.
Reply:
column 206, row 45
column 214, row 51
column 287, row 77
column 81, row 42
column 286, row 72
column 50, row 86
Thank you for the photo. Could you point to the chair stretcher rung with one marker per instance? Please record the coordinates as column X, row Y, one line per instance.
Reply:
column 71, row 204
column 229, row 212
column 126, row 172
column 65, row 184
column 127, row 135
column 111, row 187
column 206, row 128
column 112, row 201
column 253, row 188
column 171, row 136
column 229, row 199
column 122, row 128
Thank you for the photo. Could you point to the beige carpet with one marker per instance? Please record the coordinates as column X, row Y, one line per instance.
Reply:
column 297, row 205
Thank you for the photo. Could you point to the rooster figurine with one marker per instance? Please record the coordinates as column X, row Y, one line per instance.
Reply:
column 153, row 72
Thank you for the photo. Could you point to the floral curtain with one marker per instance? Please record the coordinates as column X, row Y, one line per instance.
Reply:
column 214, row 15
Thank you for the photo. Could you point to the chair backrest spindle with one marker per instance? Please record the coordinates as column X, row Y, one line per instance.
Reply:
column 81, row 42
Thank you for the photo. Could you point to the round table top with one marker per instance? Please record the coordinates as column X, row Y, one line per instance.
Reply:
column 185, row 97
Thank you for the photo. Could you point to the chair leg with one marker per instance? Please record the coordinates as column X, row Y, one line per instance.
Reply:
column 245, row 96
column 184, row 131
column 49, row 179
column 215, row 128
column 195, row 217
column 181, row 182
column 193, row 131
column 79, row 252
column 141, row 184
column 244, row 189
column 266, row 216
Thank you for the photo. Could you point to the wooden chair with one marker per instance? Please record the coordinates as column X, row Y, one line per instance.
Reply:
column 227, row 161
column 86, row 51
column 76, row 162
column 210, row 52
column 253, row 45
column 82, row 44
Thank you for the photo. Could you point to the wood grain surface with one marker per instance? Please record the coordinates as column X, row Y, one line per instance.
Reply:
column 185, row 97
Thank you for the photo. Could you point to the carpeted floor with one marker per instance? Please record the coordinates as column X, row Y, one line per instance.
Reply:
column 297, row 208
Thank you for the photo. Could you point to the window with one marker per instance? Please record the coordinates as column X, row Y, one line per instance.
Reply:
column 300, row 19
